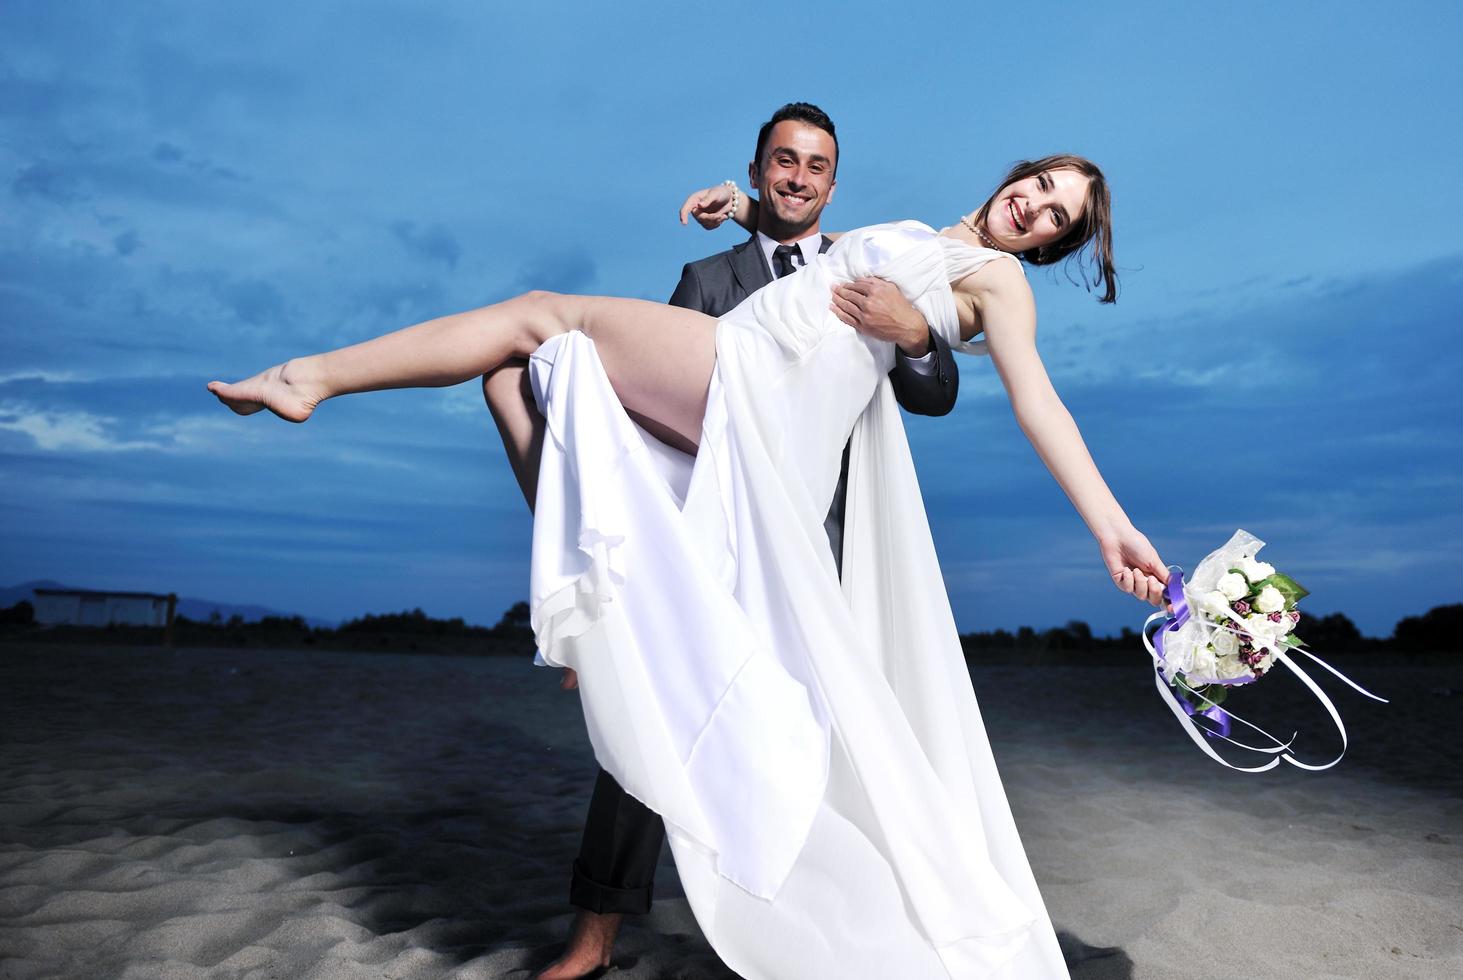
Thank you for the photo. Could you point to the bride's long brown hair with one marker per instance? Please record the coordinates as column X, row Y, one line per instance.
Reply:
column 1094, row 226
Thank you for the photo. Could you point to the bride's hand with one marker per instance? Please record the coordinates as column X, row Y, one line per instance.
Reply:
column 710, row 207
column 1134, row 564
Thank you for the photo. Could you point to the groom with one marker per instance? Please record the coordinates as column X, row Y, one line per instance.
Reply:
column 794, row 171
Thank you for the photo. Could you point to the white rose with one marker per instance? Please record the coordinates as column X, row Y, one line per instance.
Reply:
column 1233, row 585
column 1201, row 666
column 1270, row 600
column 1254, row 570
column 1231, row 668
column 1266, row 661
column 1259, row 627
column 1226, row 644
column 1285, row 625
column 1214, row 603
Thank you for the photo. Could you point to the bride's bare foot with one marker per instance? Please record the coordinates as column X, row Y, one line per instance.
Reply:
column 591, row 941
column 288, row 390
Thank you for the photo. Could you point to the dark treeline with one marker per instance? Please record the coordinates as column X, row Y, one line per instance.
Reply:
column 1439, row 630
column 410, row 631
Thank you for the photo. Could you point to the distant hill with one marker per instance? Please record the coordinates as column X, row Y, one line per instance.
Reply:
column 196, row 609
column 26, row 590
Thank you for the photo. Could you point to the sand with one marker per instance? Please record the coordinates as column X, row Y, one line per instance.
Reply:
column 271, row 814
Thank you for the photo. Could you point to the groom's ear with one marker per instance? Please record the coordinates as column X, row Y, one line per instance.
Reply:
column 831, row 188
column 754, row 175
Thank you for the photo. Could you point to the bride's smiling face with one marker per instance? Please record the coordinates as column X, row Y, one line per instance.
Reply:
column 1036, row 210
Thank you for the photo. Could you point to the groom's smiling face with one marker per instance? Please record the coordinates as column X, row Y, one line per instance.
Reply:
column 794, row 178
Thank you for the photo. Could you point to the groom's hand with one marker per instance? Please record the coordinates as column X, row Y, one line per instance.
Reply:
column 877, row 308
column 711, row 207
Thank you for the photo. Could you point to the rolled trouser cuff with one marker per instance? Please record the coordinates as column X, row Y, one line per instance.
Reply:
column 594, row 896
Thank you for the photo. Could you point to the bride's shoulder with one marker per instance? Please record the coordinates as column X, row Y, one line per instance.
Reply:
column 1001, row 278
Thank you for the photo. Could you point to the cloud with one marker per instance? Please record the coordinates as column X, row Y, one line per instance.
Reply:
column 386, row 305
column 1278, row 339
column 120, row 176
column 46, row 181
column 127, row 242
column 215, row 432
column 71, row 413
column 254, row 301
column 67, row 431
column 185, row 86
column 435, row 242
column 56, row 377
column 167, row 153
column 38, row 99
column 564, row 271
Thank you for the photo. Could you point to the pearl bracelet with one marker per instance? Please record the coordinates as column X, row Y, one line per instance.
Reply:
column 736, row 199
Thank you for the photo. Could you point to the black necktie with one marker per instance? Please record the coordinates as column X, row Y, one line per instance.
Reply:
column 782, row 264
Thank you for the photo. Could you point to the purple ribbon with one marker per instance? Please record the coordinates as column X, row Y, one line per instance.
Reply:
column 1179, row 612
column 1173, row 592
column 1214, row 713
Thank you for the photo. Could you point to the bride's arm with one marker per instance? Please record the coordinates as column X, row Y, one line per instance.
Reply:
column 1008, row 315
column 712, row 207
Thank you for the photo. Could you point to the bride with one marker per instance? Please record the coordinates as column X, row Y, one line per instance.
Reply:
column 813, row 745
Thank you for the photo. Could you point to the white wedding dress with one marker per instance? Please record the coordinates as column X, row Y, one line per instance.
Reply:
column 813, row 745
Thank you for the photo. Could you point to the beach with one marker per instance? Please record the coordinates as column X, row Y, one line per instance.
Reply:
column 302, row 814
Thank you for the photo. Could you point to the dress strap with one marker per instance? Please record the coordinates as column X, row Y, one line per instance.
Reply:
column 963, row 259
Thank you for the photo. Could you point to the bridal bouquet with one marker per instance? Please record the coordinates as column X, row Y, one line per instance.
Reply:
column 1228, row 625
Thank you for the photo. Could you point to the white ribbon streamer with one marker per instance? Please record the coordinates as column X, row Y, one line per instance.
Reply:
column 1280, row 749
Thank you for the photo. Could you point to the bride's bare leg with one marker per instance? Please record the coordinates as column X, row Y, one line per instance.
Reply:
column 437, row 353
column 510, row 399
column 658, row 358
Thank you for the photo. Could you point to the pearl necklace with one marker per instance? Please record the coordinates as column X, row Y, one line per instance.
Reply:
column 990, row 242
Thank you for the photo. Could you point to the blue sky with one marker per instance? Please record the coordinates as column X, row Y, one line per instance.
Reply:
column 190, row 191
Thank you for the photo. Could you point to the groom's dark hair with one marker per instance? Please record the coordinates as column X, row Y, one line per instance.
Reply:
column 803, row 112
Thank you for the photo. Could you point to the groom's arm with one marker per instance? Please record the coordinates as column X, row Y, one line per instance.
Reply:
column 924, row 376
column 927, row 388
column 688, row 294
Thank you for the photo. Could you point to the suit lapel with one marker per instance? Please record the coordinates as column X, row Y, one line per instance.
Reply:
column 749, row 267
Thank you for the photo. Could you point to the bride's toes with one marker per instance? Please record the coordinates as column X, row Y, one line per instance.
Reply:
column 234, row 397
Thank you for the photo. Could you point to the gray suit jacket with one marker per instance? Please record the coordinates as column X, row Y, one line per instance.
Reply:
column 717, row 283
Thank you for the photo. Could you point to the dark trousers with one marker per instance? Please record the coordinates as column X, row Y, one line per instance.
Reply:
column 615, row 869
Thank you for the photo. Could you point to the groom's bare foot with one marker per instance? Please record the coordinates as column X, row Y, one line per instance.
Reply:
column 591, row 941
column 288, row 390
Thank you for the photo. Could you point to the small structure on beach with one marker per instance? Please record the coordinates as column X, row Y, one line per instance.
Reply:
column 84, row 607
